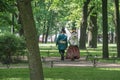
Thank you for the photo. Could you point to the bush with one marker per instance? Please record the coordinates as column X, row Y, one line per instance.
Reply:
column 10, row 45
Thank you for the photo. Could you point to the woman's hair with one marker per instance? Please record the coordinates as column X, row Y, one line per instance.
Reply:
column 73, row 29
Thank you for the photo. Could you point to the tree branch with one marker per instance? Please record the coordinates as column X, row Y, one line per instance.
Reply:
column 90, row 10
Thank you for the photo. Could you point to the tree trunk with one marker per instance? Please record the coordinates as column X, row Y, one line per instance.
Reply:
column 35, row 64
column 117, row 20
column 83, row 27
column 13, row 24
column 43, row 35
column 21, row 31
column 50, row 22
column 105, row 29
column 92, row 31
column 44, row 18
column 47, row 32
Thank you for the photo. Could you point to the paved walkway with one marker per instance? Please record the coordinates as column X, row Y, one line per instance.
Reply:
column 56, row 62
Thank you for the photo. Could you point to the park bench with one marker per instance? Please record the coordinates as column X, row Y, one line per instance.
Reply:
column 93, row 58
column 53, row 63
column 80, row 61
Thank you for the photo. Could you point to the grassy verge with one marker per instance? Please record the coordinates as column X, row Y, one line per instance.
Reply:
column 53, row 51
column 64, row 73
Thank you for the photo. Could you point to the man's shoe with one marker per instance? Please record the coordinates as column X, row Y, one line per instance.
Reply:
column 62, row 58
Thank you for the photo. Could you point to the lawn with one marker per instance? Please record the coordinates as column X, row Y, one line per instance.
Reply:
column 64, row 73
column 51, row 50
column 68, row 73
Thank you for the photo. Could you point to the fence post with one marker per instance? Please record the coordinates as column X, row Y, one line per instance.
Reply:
column 48, row 53
column 95, row 59
column 114, row 59
column 51, row 64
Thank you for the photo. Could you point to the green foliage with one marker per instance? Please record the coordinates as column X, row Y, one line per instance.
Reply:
column 62, row 12
column 5, row 19
column 8, row 15
column 3, row 6
column 7, row 5
column 10, row 45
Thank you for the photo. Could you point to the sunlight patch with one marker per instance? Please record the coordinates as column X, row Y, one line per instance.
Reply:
column 110, row 69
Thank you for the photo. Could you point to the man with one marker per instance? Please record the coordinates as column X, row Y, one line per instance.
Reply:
column 62, row 43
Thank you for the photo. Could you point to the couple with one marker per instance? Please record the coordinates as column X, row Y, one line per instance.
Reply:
column 73, row 50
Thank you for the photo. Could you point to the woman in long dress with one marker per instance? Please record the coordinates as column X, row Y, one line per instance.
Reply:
column 73, row 50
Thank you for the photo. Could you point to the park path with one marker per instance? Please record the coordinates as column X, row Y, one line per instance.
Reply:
column 56, row 62
column 82, row 62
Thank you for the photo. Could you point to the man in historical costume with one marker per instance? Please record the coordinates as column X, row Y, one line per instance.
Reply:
column 73, row 50
column 62, row 43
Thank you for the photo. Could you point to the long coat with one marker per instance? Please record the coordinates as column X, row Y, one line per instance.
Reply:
column 62, row 42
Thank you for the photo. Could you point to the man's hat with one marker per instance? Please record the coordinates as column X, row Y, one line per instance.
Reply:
column 63, row 30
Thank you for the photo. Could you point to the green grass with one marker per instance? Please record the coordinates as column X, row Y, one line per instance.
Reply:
column 52, row 49
column 64, row 73
column 68, row 73
column 14, row 74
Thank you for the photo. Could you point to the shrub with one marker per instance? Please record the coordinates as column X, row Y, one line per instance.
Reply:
column 10, row 45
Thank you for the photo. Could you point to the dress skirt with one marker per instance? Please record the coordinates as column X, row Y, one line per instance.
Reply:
column 73, row 52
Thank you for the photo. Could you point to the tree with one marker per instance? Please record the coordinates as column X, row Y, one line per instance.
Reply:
column 117, row 25
column 105, row 29
column 93, row 28
column 84, row 26
column 30, row 33
column 92, row 31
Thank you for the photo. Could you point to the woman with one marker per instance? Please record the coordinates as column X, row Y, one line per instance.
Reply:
column 62, row 43
column 73, row 50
